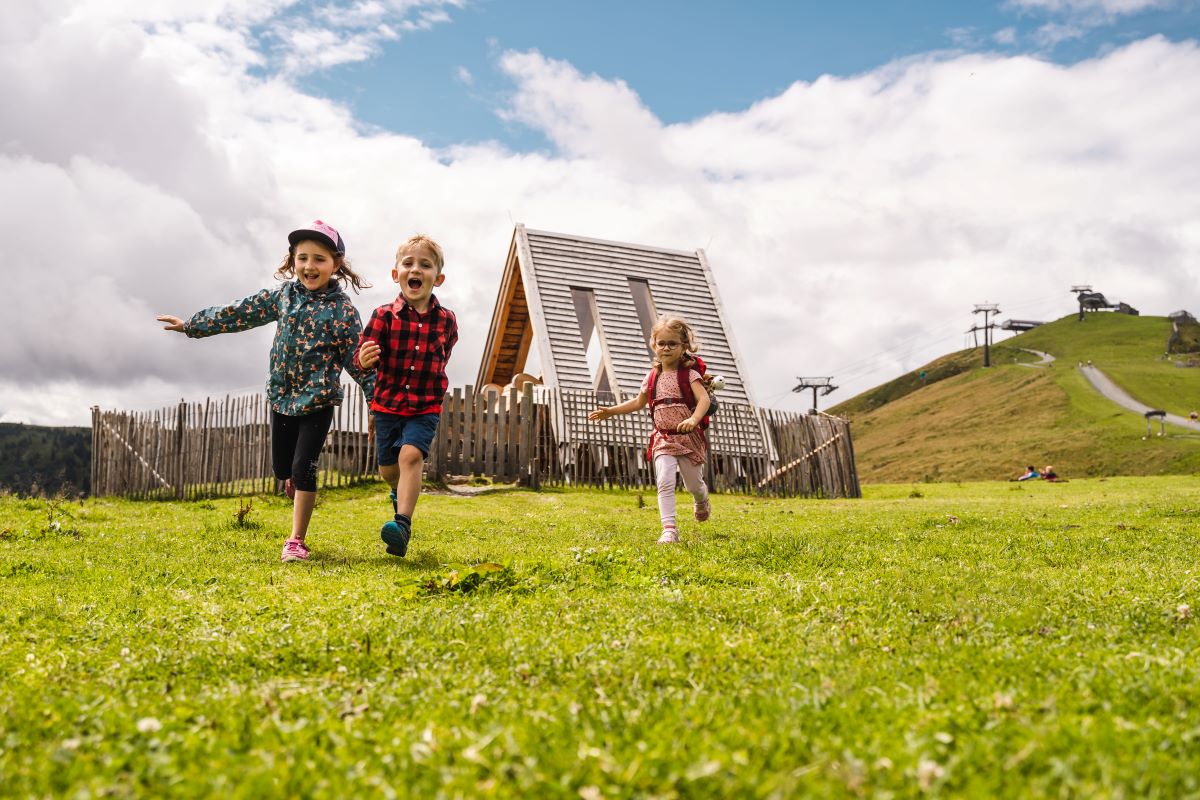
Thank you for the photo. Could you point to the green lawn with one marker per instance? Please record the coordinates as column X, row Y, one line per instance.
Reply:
column 982, row 640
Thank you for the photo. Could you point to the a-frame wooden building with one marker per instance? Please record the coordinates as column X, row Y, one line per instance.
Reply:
column 590, row 304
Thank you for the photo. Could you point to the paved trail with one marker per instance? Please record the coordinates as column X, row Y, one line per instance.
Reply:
column 1104, row 385
column 1046, row 358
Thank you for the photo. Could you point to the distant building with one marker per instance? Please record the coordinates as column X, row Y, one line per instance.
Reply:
column 1019, row 325
column 1185, row 334
column 1096, row 301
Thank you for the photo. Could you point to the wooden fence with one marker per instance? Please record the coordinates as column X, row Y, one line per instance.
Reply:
column 536, row 437
column 751, row 450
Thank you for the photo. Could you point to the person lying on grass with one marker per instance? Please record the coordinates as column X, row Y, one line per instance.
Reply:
column 1030, row 473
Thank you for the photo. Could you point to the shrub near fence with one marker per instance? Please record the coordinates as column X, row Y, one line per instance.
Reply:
column 534, row 437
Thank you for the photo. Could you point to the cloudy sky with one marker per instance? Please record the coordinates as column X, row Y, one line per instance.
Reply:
column 859, row 178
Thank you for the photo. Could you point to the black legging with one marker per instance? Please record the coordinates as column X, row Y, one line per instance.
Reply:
column 296, row 444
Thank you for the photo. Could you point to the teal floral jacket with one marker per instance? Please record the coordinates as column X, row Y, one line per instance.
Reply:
column 315, row 340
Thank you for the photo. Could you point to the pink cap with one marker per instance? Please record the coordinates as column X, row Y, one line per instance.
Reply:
column 321, row 232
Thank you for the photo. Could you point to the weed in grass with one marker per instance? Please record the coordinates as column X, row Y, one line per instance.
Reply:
column 242, row 515
column 465, row 579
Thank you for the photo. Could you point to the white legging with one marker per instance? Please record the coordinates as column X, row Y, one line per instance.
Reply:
column 665, row 467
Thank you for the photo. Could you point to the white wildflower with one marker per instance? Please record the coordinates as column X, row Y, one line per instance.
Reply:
column 927, row 772
column 148, row 725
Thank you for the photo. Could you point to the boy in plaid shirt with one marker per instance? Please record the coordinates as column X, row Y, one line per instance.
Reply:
column 410, row 340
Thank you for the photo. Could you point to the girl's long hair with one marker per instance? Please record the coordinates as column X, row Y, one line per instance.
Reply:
column 687, row 337
column 344, row 274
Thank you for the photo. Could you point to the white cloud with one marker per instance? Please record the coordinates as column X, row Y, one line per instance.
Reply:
column 153, row 173
column 1108, row 7
column 309, row 50
column 586, row 117
column 1054, row 33
column 1005, row 36
column 964, row 37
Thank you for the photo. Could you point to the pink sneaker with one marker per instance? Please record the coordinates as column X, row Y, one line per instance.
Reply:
column 669, row 536
column 289, row 489
column 702, row 510
column 294, row 550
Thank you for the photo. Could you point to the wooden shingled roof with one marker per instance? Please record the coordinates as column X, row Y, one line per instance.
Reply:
column 552, row 280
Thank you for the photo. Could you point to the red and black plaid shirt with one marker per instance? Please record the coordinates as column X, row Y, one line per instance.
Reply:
column 414, row 349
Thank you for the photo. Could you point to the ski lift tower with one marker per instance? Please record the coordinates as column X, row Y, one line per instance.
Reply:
column 1080, row 290
column 825, row 385
column 986, row 309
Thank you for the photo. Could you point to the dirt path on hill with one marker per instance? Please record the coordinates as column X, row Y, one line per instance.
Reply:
column 1104, row 385
column 1046, row 358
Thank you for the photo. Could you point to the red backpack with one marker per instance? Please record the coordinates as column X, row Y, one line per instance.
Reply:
column 685, row 388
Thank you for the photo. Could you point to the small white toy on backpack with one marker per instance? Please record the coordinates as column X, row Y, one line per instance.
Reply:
column 713, row 383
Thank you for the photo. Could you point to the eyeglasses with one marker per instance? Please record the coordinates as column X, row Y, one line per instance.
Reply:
column 667, row 345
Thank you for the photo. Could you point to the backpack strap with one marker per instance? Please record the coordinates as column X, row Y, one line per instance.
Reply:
column 685, row 388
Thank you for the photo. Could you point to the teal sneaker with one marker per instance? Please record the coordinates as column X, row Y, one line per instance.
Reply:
column 395, row 535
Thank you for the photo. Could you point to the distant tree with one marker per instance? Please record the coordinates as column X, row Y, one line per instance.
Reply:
column 45, row 460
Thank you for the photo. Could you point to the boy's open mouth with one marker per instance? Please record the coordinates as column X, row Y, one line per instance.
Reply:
column 415, row 284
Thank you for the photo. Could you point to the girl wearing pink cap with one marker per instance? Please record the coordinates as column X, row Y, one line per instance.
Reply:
column 315, row 339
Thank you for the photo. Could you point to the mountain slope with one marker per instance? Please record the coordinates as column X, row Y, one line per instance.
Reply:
column 978, row 424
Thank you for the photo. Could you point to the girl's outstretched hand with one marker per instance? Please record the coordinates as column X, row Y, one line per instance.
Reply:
column 600, row 413
column 173, row 323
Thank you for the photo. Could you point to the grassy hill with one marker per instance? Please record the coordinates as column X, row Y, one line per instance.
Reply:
column 967, row 423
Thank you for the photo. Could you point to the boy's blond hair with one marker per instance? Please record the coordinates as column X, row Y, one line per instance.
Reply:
column 439, row 258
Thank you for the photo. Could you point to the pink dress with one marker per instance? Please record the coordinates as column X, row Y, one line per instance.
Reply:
column 667, row 415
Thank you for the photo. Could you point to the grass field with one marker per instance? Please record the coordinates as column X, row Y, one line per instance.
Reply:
column 982, row 640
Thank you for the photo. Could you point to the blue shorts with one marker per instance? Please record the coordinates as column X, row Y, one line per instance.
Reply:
column 393, row 431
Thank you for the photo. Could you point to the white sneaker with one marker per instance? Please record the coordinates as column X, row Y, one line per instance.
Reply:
column 669, row 536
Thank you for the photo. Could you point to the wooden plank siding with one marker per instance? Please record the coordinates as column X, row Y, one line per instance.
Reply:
column 679, row 285
column 549, row 265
